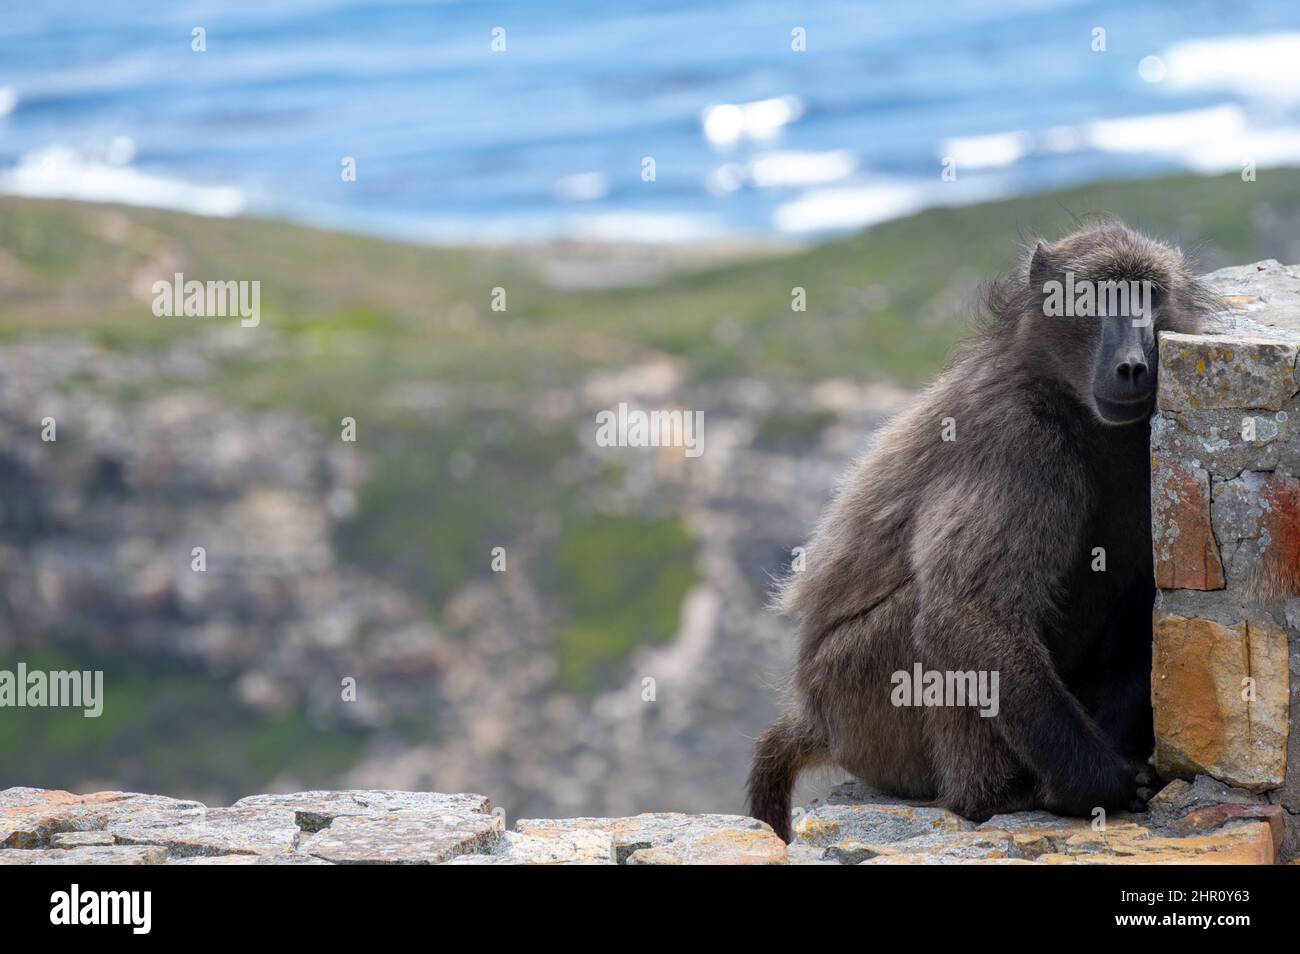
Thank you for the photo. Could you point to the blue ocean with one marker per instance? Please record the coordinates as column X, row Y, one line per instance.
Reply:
column 634, row 120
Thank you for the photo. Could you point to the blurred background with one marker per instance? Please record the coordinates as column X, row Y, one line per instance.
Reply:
column 648, row 182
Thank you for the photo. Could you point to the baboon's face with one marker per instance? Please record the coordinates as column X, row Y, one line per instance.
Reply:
column 1124, row 364
column 1116, row 291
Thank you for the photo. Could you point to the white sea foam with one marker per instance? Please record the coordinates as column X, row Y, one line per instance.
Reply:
column 1213, row 140
column 727, row 124
column 583, row 187
column 1260, row 67
column 848, row 207
column 640, row 227
column 61, row 173
column 1265, row 148
column 1170, row 134
column 801, row 168
column 989, row 151
column 852, row 207
column 1210, row 140
column 783, row 170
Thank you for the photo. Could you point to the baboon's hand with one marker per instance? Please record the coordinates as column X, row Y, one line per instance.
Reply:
column 1148, row 783
column 1115, row 784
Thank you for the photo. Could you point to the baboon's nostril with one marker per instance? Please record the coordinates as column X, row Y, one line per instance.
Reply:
column 1131, row 371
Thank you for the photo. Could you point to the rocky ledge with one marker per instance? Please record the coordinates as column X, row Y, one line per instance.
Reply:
column 1201, row 822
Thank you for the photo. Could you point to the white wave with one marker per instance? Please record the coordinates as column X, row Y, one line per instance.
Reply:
column 728, row 123
column 582, row 187
column 728, row 177
column 989, row 151
column 639, row 227
column 1172, row 134
column 1266, row 148
column 855, row 207
column 1182, row 136
column 8, row 100
column 783, row 170
column 847, row 208
column 1211, row 140
column 1063, row 139
column 801, row 168
column 1262, row 67
column 61, row 173
column 1207, row 141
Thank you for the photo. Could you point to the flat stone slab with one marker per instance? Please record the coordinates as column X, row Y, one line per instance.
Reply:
column 553, row 846
column 214, row 831
column 30, row 817
column 290, row 858
column 82, row 839
column 1033, row 821
column 399, row 839
column 95, row 855
column 1200, row 371
column 1262, row 299
column 1119, row 844
column 670, row 838
column 314, row 811
column 1180, row 797
column 878, row 823
column 1205, row 823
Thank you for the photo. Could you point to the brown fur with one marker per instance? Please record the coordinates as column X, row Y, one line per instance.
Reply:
column 975, row 554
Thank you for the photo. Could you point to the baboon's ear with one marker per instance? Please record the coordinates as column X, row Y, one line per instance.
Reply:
column 1042, row 267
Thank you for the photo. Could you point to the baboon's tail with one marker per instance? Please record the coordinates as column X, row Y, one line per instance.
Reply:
column 783, row 751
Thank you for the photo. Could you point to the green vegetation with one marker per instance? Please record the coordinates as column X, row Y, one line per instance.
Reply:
column 445, row 492
column 622, row 580
column 888, row 303
column 791, row 430
column 167, row 724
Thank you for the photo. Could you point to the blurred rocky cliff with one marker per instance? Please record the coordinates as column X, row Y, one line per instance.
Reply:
column 98, row 565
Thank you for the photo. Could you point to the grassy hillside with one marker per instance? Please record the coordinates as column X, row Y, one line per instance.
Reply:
column 886, row 303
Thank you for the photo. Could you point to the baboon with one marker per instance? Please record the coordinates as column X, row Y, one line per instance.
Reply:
column 1002, row 525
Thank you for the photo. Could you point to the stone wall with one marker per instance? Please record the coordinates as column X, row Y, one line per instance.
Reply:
column 1202, row 823
column 1225, row 459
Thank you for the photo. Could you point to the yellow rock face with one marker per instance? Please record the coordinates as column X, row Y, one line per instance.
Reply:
column 1250, row 843
column 1221, row 699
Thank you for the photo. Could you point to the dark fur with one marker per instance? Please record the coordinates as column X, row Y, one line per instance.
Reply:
column 976, row 554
